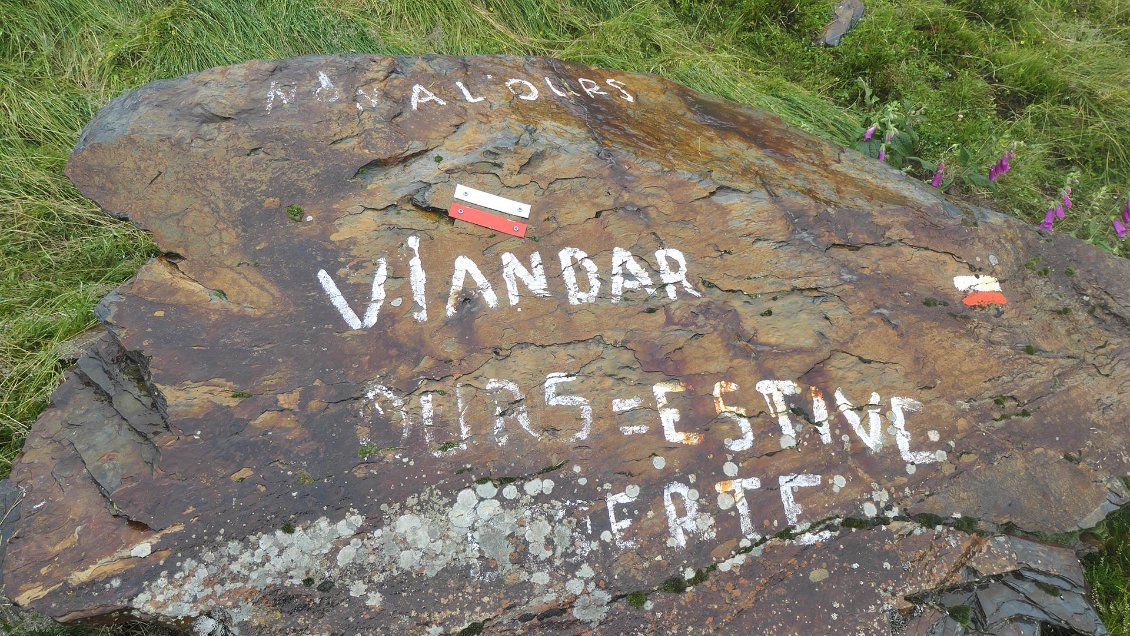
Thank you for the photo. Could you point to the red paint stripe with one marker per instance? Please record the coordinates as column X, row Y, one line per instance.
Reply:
column 984, row 299
column 464, row 212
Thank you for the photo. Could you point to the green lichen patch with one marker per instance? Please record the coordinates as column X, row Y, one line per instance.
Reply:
column 1008, row 416
column 929, row 520
column 294, row 212
column 679, row 584
column 966, row 524
column 963, row 614
column 856, row 524
column 1048, row 588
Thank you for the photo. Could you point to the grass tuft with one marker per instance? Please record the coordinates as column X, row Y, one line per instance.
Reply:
column 1108, row 573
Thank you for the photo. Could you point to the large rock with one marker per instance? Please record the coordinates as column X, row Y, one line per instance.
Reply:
column 845, row 15
column 725, row 382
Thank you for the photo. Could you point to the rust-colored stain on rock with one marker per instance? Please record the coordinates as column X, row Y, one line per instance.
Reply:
column 723, row 384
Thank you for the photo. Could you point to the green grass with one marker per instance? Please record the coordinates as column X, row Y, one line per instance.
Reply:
column 1108, row 573
column 1049, row 77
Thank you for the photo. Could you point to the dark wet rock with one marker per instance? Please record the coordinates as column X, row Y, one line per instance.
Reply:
column 11, row 495
column 846, row 14
column 808, row 395
column 1044, row 588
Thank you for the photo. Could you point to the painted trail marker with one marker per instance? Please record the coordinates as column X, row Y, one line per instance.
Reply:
column 461, row 209
column 494, row 202
column 980, row 290
column 714, row 394
column 464, row 212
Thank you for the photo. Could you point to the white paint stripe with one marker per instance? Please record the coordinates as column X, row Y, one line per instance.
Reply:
column 373, row 309
column 619, row 405
column 789, row 484
column 417, row 279
column 492, row 201
column 976, row 284
column 622, row 405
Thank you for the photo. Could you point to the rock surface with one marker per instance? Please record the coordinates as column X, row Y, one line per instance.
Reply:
column 733, row 378
column 845, row 15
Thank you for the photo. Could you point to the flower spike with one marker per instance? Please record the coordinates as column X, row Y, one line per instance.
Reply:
column 937, row 180
column 1049, row 219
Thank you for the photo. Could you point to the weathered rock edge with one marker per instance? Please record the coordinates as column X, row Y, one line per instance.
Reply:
column 1044, row 456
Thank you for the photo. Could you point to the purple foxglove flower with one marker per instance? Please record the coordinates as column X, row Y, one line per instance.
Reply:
column 937, row 180
column 870, row 131
column 883, row 154
column 1067, row 198
column 1059, row 211
column 1126, row 213
column 890, row 135
column 1001, row 166
column 1049, row 219
column 1119, row 228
